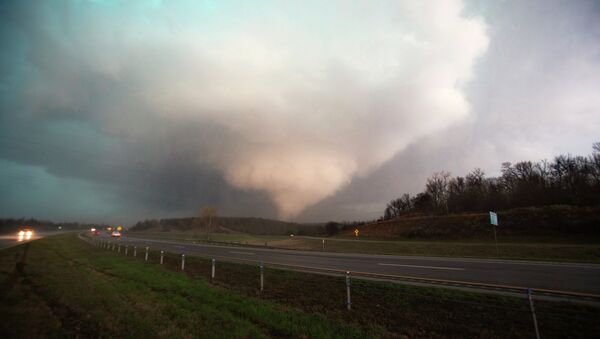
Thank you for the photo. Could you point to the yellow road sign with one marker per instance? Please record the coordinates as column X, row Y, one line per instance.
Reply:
column 356, row 232
column 119, row 228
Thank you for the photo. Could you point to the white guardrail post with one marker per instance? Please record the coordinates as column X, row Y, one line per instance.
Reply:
column 135, row 251
column 182, row 262
column 262, row 277
column 348, row 283
column 146, row 258
column 212, row 273
column 162, row 255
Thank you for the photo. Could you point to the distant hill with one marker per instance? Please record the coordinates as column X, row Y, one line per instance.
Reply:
column 553, row 221
column 229, row 224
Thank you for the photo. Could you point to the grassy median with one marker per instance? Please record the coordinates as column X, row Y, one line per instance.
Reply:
column 70, row 288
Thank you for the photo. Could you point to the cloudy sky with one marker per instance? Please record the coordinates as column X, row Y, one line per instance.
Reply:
column 116, row 111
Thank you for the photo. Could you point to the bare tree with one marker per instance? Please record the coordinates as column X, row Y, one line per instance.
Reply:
column 209, row 214
column 397, row 207
column 567, row 179
column 437, row 187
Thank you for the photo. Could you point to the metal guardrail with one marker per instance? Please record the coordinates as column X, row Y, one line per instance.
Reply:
column 412, row 279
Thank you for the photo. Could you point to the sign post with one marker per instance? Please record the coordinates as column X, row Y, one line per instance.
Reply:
column 535, row 325
column 494, row 223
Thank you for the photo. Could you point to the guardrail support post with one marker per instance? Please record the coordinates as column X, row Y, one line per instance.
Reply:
column 212, row 273
column 348, row 283
column 126, row 249
column 135, row 251
column 323, row 245
column 119, row 249
column 182, row 262
column 535, row 324
column 162, row 254
column 262, row 277
column 113, row 247
column 146, row 258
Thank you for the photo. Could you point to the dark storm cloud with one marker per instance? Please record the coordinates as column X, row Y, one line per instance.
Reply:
column 155, row 109
column 248, row 107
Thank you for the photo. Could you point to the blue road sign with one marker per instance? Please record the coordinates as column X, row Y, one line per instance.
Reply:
column 493, row 218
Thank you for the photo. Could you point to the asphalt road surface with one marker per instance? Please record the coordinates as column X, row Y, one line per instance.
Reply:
column 566, row 277
column 11, row 239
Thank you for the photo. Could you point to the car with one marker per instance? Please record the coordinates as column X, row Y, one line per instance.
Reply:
column 24, row 234
column 115, row 234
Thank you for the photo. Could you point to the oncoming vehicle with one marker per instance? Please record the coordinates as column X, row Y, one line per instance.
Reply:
column 115, row 234
column 24, row 234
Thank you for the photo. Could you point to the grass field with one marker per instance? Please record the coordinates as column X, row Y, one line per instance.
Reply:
column 70, row 288
column 521, row 248
column 69, row 291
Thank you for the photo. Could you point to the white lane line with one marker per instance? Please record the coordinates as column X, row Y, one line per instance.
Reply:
column 179, row 246
column 431, row 267
column 236, row 252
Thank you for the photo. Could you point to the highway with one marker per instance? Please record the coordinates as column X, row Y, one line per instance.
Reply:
column 565, row 277
column 11, row 239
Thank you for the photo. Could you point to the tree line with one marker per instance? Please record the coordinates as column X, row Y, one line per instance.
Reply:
column 566, row 180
